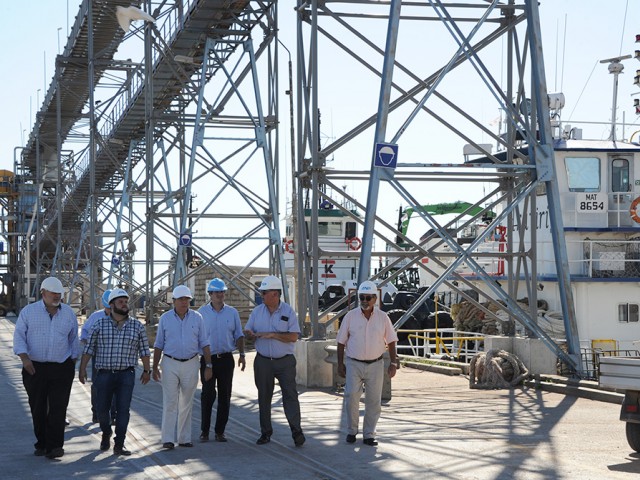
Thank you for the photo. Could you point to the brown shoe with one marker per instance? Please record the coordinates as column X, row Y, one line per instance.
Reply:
column 220, row 437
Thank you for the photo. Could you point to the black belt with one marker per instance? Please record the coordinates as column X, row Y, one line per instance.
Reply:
column 180, row 359
column 274, row 358
column 367, row 361
column 108, row 370
column 221, row 355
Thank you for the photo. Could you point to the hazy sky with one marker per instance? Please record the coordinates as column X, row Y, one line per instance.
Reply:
column 36, row 30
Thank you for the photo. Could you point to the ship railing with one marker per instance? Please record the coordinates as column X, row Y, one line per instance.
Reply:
column 441, row 342
column 590, row 358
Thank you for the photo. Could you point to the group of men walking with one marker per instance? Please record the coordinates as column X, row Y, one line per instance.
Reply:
column 188, row 344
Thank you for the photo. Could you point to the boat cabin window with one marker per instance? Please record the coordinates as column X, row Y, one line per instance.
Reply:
column 628, row 313
column 583, row 174
column 330, row 229
column 620, row 175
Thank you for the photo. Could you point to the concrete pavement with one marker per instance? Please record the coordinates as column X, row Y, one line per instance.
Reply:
column 433, row 427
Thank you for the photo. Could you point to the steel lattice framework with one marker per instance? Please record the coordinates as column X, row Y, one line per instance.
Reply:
column 428, row 60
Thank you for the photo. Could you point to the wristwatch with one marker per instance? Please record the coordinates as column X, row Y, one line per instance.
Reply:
column 242, row 354
column 208, row 365
column 146, row 371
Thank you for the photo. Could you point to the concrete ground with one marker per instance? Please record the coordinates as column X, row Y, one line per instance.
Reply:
column 434, row 427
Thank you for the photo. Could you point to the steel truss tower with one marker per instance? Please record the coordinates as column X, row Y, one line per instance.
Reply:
column 441, row 70
column 155, row 152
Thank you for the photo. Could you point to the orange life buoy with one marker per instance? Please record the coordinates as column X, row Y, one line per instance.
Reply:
column 288, row 246
column 354, row 243
column 633, row 210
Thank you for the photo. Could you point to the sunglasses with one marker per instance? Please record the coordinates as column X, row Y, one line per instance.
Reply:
column 366, row 298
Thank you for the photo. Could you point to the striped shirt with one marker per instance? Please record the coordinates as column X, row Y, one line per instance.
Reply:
column 181, row 338
column 44, row 337
column 223, row 328
column 117, row 348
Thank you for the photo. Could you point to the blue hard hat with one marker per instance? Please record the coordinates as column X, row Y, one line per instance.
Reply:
column 105, row 298
column 216, row 285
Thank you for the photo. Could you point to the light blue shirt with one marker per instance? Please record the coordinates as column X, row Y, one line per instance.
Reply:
column 283, row 320
column 85, row 332
column 44, row 337
column 181, row 338
column 223, row 328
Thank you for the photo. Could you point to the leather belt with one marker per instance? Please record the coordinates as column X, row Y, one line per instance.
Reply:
column 109, row 370
column 179, row 359
column 367, row 361
column 274, row 358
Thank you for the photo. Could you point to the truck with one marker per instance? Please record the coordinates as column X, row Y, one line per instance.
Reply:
column 623, row 373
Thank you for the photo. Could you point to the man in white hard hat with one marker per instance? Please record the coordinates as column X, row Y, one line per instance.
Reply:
column 224, row 331
column 116, row 342
column 180, row 337
column 274, row 327
column 46, row 340
column 84, row 338
column 364, row 335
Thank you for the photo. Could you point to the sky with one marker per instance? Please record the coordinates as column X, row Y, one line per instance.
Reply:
column 576, row 35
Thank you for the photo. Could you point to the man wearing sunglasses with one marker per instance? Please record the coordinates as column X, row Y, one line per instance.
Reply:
column 364, row 335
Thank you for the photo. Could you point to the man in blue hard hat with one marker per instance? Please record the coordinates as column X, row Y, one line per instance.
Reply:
column 117, row 342
column 84, row 338
column 224, row 330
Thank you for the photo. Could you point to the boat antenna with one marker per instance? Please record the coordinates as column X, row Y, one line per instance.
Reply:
column 616, row 68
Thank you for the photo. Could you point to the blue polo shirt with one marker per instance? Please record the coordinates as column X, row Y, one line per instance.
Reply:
column 283, row 319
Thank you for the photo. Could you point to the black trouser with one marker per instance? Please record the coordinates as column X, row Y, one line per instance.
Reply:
column 49, row 390
column 265, row 372
column 222, row 378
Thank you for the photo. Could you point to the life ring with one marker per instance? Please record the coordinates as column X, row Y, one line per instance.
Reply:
column 354, row 243
column 288, row 246
column 633, row 210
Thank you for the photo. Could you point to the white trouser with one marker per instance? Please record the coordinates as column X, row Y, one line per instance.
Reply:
column 179, row 383
column 371, row 375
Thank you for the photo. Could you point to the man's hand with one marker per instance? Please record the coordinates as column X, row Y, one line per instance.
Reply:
column 392, row 370
column 342, row 370
column 27, row 364
column 156, row 374
column 82, row 375
column 242, row 363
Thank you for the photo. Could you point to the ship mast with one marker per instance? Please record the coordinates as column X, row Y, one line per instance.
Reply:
column 616, row 68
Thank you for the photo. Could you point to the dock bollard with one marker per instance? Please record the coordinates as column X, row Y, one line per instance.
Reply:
column 332, row 358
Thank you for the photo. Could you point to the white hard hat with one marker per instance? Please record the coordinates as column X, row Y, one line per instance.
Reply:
column 271, row 283
column 368, row 287
column 117, row 293
column 52, row 284
column 181, row 291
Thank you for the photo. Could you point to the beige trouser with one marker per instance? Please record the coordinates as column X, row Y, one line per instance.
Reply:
column 371, row 375
column 179, row 383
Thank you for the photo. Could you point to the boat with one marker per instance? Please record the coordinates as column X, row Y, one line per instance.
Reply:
column 599, row 193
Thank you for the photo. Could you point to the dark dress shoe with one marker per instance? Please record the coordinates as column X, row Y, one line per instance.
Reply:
column 94, row 418
column 39, row 452
column 55, row 453
column 121, row 450
column 66, row 421
column 220, row 437
column 351, row 438
column 186, row 444
column 298, row 439
column 204, row 437
column 263, row 439
column 370, row 441
column 168, row 445
column 106, row 442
